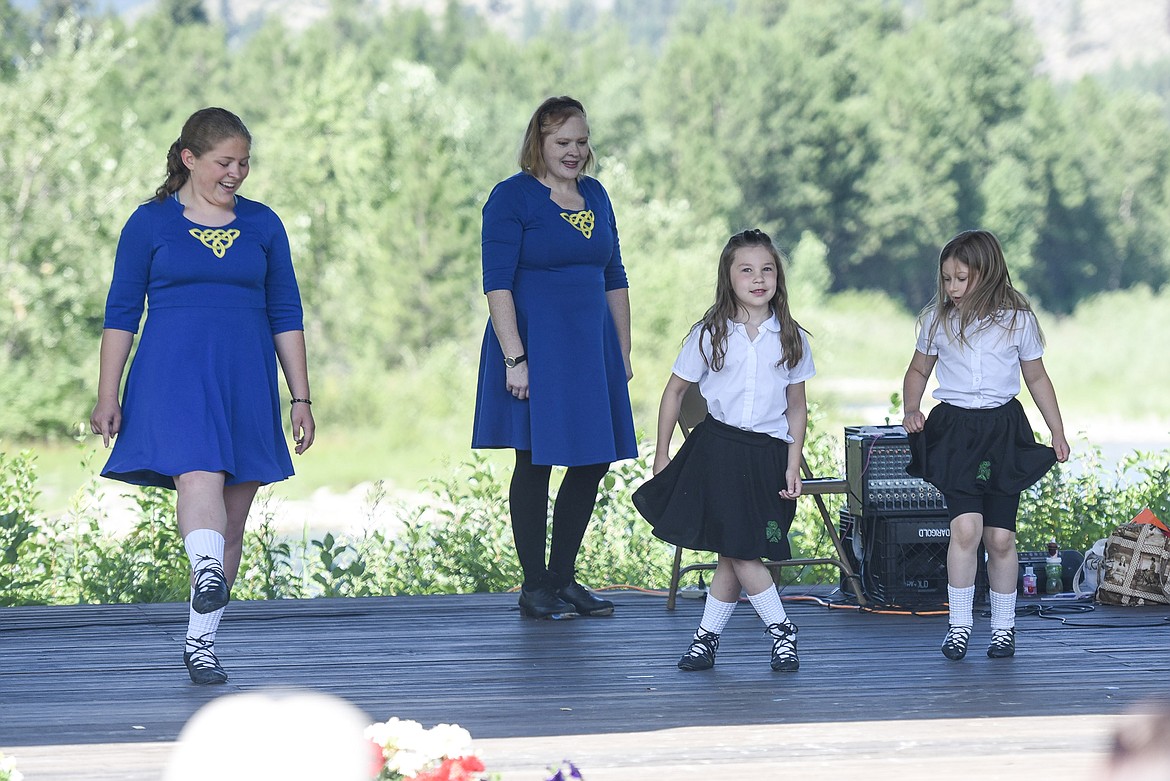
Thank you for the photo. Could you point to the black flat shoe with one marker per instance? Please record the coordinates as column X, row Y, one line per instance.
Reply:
column 211, row 588
column 202, row 664
column 584, row 601
column 701, row 654
column 784, row 658
column 954, row 646
column 1003, row 644
column 544, row 603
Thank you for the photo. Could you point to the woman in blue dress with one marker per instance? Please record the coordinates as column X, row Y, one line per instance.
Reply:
column 201, row 410
column 556, row 353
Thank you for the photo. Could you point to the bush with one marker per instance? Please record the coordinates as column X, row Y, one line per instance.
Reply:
column 459, row 539
column 1080, row 502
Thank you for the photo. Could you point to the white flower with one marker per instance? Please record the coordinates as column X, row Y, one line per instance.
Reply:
column 447, row 741
column 8, row 771
column 409, row 749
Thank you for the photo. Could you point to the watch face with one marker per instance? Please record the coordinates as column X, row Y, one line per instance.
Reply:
column 510, row 363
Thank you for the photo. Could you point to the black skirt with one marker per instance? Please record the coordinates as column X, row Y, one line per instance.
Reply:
column 720, row 493
column 979, row 451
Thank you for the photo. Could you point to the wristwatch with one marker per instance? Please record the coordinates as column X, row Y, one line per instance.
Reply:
column 512, row 363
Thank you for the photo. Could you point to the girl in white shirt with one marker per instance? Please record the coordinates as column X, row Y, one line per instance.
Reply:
column 732, row 487
column 977, row 447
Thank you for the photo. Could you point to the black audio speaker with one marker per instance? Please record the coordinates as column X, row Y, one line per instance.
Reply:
column 875, row 470
column 902, row 559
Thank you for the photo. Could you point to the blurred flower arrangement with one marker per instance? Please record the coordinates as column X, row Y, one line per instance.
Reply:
column 8, row 771
column 405, row 751
column 411, row 753
column 565, row 772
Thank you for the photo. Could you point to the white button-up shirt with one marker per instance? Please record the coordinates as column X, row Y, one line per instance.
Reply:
column 751, row 391
column 983, row 372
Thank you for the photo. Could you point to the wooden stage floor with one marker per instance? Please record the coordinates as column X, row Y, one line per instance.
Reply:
column 99, row 692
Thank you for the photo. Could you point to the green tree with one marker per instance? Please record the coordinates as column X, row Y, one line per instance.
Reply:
column 947, row 103
column 184, row 12
column 167, row 71
column 16, row 41
column 64, row 193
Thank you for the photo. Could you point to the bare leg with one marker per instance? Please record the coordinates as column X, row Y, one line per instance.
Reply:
column 753, row 575
column 963, row 551
column 200, row 502
column 1003, row 563
column 1002, row 574
column 202, row 519
column 725, row 585
column 237, row 500
column 962, row 565
column 722, row 598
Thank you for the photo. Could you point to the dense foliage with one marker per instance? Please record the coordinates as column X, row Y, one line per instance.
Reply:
column 458, row 539
column 860, row 133
column 873, row 129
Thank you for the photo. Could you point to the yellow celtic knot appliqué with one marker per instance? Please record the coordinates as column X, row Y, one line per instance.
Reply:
column 582, row 221
column 217, row 240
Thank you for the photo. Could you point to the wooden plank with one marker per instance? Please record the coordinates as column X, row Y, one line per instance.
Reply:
column 111, row 676
column 1070, row 748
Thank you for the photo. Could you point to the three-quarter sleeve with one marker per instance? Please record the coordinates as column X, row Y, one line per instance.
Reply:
column 126, row 300
column 503, row 231
column 281, row 292
column 615, row 271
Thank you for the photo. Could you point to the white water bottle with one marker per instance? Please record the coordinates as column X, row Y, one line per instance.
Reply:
column 1029, row 581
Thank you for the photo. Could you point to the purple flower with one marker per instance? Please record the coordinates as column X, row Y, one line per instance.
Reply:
column 560, row 775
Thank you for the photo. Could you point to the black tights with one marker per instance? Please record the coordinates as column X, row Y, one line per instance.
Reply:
column 528, row 497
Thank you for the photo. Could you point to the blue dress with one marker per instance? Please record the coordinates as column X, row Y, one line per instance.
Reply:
column 202, row 390
column 559, row 267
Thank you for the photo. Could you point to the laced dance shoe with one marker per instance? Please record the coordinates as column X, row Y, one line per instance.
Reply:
column 202, row 664
column 1003, row 643
column 701, row 654
column 784, row 658
column 211, row 588
column 954, row 646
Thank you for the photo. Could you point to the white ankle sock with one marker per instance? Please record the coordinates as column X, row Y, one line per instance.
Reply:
column 767, row 603
column 716, row 614
column 203, row 542
column 960, row 600
column 1003, row 610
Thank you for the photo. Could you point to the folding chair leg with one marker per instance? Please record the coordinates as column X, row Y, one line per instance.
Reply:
column 851, row 576
column 674, row 578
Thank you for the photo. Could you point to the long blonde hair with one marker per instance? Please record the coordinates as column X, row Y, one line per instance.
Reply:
column 989, row 289
column 726, row 306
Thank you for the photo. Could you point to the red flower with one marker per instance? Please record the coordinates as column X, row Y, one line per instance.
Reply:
column 461, row 769
column 377, row 759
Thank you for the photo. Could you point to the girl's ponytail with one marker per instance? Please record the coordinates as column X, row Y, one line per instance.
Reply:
column 177, row 173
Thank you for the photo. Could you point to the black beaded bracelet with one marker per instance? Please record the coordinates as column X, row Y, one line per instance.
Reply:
column 300, row 401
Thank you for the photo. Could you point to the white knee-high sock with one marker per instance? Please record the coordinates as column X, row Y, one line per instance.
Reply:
column 202, row 626
column 716, row 614
column 960, row 600
column 204, row 547
column 767, row 603
column 1003, row 610
column 202, row 543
